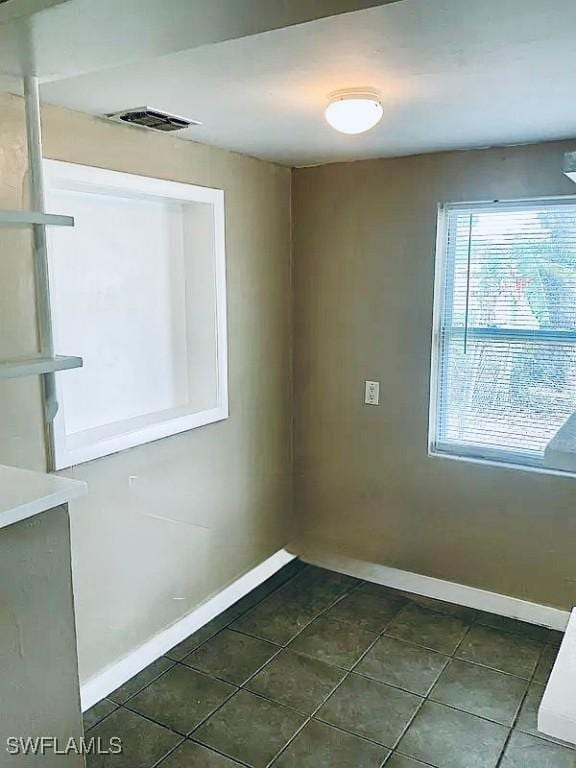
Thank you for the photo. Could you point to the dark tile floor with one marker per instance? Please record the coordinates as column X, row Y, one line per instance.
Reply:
column 319, row 670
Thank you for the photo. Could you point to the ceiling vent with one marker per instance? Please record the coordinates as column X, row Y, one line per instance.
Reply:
column 154, row 119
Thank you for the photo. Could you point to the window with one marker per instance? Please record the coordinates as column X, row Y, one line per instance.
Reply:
column 137, row 287
column 504, row 348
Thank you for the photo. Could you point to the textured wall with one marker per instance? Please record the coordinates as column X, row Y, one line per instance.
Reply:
column 167, row 524
column 37, row 639
column 365, row 487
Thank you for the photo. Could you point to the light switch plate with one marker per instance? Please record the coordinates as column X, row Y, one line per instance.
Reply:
column 372, row 393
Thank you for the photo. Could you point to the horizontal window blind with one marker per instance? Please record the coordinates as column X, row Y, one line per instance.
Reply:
column 506, row 332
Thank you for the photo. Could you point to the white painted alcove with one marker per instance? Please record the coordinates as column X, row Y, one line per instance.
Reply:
column 138, row 289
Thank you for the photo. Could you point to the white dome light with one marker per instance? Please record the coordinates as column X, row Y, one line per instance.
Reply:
column 354, row 111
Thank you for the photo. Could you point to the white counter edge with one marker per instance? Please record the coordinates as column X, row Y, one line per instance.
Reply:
column 24, row 493
column 557, row 712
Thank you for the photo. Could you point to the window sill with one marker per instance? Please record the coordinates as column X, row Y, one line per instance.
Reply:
column 506, row 465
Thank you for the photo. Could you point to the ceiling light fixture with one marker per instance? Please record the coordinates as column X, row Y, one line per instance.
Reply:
column 354, row 111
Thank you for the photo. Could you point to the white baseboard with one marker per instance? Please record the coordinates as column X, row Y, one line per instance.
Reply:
column 98, row 687
column 557, row 713
column 450, row 592
column 95, row 689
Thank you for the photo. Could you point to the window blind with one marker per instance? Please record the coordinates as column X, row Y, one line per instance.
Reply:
column 505, row 363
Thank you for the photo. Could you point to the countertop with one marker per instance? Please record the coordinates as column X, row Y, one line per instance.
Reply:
column 24, row 493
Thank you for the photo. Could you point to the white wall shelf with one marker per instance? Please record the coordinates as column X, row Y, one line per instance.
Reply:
column 37, row 364
column 45, row 363
column 21, row 218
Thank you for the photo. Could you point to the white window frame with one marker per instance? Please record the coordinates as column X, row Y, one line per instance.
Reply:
column 489, row 457
column 70, row 176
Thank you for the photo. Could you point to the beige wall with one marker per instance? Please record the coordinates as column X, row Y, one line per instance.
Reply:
column 365, row 487
column 167, row 524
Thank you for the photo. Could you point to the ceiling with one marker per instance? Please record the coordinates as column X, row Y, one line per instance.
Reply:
column 53, row 39
column 13, row 9
column 452, row 73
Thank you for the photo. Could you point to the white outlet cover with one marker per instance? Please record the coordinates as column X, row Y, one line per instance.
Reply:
column 372, row 393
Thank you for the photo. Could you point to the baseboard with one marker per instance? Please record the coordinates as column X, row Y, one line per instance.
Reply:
column 492, row 602
column 98, row 687
column 95, row 689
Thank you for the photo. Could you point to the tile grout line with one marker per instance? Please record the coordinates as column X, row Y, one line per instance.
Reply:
column 242, row 685
column 500, row 760
column 419, row 707
column 158, row 676
column 281, row 648
column 347, row 674
column 310, row 717
column 286, row 646
column 168, row 754
column 188, row 733
column 163, row 725
column 455, row 657
column 312, row 620
column 350, row 671
column 426, row 698
column 235, row 760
